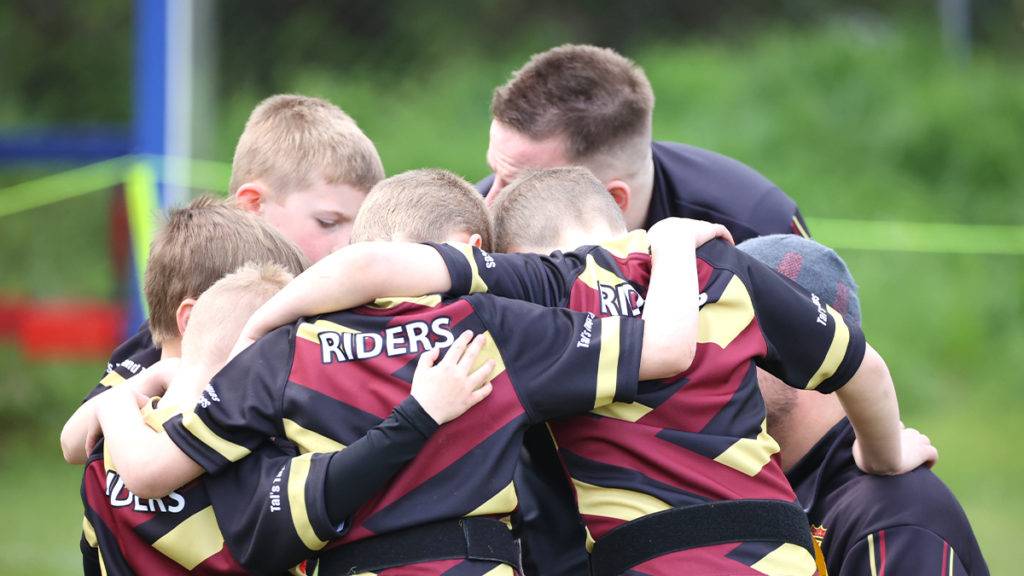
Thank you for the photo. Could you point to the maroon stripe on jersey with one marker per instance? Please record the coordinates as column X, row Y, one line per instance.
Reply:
column 600, row 525
column 945, row 559
column 450, row 443
column 707, row 560
column 704, row 272
column 434, row 568
column 221, row 563
column 712, row 381
column 347, row 381
column 635, row 267
column 142, row 557
column 881, row 552
column 637, row 447
column 585, row 299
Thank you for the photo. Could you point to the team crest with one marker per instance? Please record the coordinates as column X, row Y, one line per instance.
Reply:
column 818, row 533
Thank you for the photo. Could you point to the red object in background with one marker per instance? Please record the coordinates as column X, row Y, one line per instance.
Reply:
column 10, row 316
column 63, row 329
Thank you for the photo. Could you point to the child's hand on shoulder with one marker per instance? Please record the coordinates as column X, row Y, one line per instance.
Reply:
column 675, row 232
column 451, row 387
column 916, row 450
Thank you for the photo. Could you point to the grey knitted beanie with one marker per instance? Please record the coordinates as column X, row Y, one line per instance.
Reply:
column 816, row 268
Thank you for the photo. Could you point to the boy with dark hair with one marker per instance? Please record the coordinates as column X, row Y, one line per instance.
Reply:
column 197, row 245
column 686, row 478
column 307, row 383
column 909, row 524
column 182, row 533
column 177, row 534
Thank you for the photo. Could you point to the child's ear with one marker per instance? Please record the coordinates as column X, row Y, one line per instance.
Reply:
column 183, row 314
column 620, row 192
column 475, row 240
column 250, row 196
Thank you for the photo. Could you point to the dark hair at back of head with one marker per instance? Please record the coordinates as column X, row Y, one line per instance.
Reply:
column 594, row 96
column 198, row 245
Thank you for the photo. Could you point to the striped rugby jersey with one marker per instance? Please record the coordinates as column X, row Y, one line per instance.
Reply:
column 129, row 358
column 698, row 437
column 175, row 535
column 323, row 383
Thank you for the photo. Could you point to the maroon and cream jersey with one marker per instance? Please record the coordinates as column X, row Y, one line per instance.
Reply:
column 698, row 437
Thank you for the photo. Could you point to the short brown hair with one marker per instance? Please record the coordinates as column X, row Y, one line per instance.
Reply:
column 535, row 208
column 426, row 205
column 223, row 309
column 289, row 141
column 595, row 97
column 198, row 245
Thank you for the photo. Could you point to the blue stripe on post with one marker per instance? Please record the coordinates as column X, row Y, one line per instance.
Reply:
column 150, row 110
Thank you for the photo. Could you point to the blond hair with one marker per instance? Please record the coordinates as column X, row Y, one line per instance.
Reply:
column 535, row 208
column 426, row 205
column 222, row 310
column 599, row 100
column 290, row 141
column 198, row 245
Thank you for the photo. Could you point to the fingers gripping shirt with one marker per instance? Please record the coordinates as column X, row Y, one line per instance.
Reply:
column 324, row 383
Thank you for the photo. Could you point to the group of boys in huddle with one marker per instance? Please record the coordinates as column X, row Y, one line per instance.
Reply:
column 344, row 373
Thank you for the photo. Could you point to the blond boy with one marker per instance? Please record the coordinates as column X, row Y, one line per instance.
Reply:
column 305, row 167
column 198, row 245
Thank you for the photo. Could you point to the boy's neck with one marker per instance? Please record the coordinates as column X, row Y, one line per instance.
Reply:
column 812, row 417
column 170, row 348
column 188, row 384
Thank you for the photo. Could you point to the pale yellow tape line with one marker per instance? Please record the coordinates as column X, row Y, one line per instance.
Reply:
column 62, row 186
column 142, row 202
column 928, row 237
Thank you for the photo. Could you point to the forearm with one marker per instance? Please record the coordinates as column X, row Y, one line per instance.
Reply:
column 670, row 310
column 75, row 431
column 869, row 400
column 361, row 470
column 354, row 276
column 74, row 437
column 148, row 462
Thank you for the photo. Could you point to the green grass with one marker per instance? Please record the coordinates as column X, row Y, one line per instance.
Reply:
column 853, row 122
column 43, row 508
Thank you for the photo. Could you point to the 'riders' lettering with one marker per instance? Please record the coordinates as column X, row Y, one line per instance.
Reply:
column 411, row 338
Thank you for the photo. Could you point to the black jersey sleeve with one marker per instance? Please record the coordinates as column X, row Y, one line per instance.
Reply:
column 242, row 406
column 128, row 359
column 809, row 344
column 279, row 508
column 253, row 504
column 563, row 362
column 543, row 280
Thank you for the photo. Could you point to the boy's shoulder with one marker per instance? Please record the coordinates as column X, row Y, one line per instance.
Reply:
column 134, row 354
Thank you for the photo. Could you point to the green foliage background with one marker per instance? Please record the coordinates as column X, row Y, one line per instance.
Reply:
column 853, row 116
